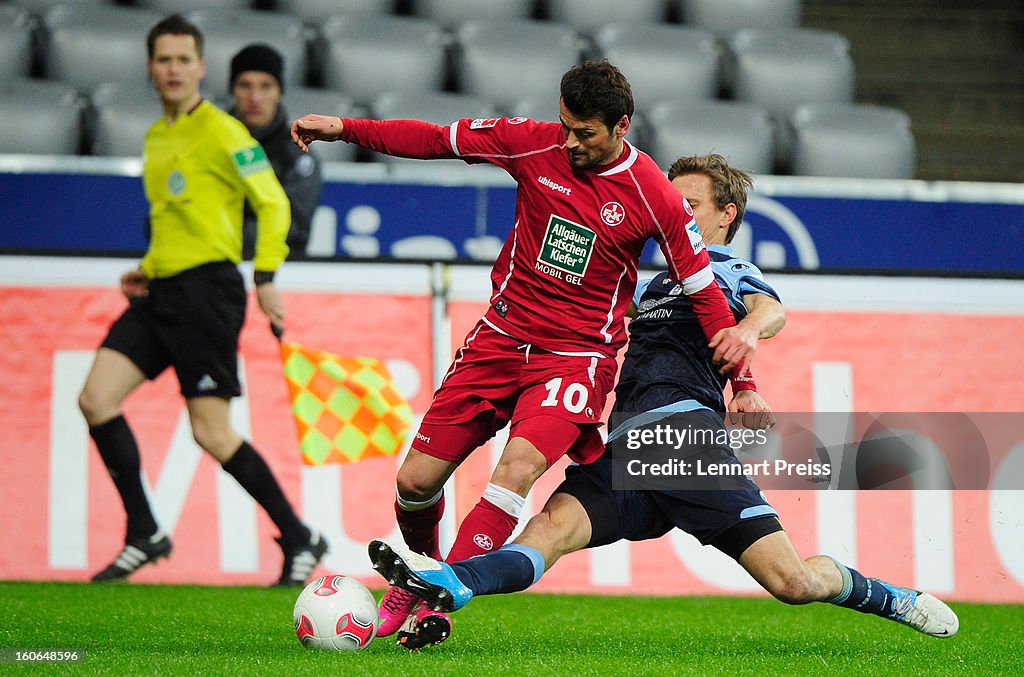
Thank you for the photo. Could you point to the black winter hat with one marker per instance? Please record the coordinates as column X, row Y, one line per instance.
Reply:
column 263, row 58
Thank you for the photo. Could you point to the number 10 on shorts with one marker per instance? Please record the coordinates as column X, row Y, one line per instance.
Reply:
column 574, row 397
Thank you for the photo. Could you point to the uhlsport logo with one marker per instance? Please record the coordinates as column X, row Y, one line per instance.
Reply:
column 612, row 213
column 545, row 181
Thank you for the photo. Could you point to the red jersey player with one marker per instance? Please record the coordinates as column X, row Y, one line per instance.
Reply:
column 543, row 356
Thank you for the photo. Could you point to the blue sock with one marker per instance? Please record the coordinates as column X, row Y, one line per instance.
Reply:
column 509, row 569
column 866, row 595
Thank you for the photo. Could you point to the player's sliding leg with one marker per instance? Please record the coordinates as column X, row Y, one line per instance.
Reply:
column 773, row 562
column 418, row 510
column 562, row 527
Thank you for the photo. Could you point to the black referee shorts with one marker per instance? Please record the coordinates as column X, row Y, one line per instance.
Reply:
column 190, row 321
column 728, row 519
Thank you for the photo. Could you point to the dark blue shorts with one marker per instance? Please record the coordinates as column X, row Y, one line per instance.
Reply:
column 730, row 518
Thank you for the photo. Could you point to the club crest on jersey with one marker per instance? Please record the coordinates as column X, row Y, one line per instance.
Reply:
column 566, row 249
column 612, row 213
column 483, row 123
column 696, row 239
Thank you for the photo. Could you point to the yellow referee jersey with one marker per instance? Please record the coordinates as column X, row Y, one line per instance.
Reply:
column 197, row 172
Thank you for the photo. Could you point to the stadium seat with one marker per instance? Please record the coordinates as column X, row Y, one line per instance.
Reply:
column 783, row 68
column 85, row 45
column 852, row 140
column 507, row 59
column 120, row 116
column 166, row 7
column 662, row 61
column 587, row 15
column 726, row 16
column 15, row 42
column 39, row 117
column 740, row 132
column 39, row 7
column 317, row 10
column 540, row 108
column 441, row 108
column 226, row 31
column 299, row 101
column 449, row 12
column 366, row 55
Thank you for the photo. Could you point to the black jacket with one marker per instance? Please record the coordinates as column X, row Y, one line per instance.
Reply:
column 299, row 174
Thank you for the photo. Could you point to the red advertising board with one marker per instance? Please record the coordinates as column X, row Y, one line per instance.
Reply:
column 64, row 519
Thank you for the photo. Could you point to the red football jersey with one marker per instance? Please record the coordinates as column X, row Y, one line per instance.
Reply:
column 567, row 271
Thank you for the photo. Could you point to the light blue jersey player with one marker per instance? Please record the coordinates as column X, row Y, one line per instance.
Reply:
column 668, row 372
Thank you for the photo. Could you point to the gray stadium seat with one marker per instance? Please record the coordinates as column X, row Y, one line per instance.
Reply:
column 39, row 7
column 441, row 108
column 662, row 61
column 852, row 140
column 226, row 31
column 299, row 101
column 448, row 12
column 121, row 114
column 507, row 59
column 86, row 45
column 783, row 68
column 740, row 132
column 726, row 16
column 15, row 42
column 40, row 117
column 167, row 7
column 588, row 15
column 366, row 55
column 540, row 108
column 315, row 10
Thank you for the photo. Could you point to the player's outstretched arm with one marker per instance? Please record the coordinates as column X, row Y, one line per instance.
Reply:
column 313, row 127
column 764, row 314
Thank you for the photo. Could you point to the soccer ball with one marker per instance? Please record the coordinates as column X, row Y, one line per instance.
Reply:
column 335, row 613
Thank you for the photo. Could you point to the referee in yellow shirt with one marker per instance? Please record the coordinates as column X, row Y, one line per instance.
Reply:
column 187, row 300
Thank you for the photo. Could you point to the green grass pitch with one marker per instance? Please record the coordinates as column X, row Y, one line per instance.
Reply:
column 186, row 630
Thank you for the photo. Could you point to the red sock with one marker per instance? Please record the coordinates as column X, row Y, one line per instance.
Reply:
column 419, row 528
column 485, row 528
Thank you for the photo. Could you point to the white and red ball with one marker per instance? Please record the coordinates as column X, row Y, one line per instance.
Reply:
column 335, row 613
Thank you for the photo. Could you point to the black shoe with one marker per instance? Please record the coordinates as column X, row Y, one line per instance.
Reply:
column 424, row 627
column 136, row 554
column 300, row 561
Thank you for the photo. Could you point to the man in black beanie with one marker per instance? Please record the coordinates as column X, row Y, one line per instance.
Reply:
column 256, row 86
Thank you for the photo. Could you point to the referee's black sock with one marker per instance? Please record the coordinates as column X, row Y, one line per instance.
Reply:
column 253, row 473
column 120, row 453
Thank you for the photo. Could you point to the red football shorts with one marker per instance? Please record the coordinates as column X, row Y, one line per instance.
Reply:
column 496, row 379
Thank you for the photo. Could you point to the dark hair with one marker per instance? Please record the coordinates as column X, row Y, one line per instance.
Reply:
column 175, row 24
column 727, row 184
column 597, row 89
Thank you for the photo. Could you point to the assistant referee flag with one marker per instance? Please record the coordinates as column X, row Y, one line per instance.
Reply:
column 345, row 408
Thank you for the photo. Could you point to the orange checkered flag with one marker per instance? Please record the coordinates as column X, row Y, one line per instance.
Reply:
column 345, row 408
